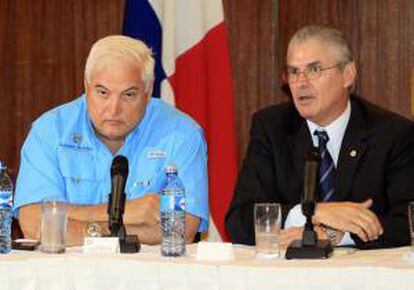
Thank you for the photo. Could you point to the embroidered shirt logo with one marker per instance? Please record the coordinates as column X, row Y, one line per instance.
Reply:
column 156, row 154
column 77, row 138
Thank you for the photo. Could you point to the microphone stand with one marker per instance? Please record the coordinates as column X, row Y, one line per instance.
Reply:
column 127, row 243
column 310, row 247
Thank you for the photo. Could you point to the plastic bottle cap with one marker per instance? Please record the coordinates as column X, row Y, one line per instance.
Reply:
column 170, row 169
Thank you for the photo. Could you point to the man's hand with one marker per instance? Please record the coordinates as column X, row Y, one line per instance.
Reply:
column 143, row 211
column 143, row 214
column 141, row 217
column 351, row 217
column 287, row 236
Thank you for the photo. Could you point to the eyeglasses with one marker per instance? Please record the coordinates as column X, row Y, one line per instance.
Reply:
column 311, row 72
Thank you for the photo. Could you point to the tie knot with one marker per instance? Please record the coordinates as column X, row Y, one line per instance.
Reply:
column 322, row 136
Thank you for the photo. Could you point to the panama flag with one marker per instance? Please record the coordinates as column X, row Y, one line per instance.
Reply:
column 189, row 42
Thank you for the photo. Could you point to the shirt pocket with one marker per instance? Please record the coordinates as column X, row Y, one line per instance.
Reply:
column 147, row 173
column 82, row 181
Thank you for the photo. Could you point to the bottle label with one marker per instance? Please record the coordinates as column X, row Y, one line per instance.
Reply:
column 6, row 198
column 172, row 202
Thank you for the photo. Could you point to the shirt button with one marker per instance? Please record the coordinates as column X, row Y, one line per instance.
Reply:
column 76, row 180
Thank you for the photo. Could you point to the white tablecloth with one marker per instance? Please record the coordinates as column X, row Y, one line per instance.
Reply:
column 378, row 269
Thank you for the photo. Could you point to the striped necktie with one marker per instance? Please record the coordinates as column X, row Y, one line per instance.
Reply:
column 326, row 169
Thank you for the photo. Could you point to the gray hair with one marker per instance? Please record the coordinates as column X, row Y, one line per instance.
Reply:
column 328, row 35
column 124, row 47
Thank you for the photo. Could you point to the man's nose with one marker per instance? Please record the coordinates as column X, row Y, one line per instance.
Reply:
column 114, row 106
column 302, row 83
column 302, row 78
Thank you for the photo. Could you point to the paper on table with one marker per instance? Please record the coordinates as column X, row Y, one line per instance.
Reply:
column 214, row 251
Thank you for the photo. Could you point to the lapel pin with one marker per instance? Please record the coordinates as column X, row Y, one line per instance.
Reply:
column 353, row 153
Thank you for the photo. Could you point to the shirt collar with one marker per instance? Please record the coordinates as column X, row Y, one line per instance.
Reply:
column 335, row 131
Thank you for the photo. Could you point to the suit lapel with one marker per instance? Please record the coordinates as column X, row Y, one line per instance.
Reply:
column 354, row 145
column 299, row 143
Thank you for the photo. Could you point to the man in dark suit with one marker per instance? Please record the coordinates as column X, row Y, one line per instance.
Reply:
column 367, row 153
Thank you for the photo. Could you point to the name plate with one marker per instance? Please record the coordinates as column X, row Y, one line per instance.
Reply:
column 101, row 245
column 212, row 251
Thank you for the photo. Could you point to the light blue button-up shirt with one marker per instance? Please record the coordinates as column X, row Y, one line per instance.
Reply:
column 63, row 156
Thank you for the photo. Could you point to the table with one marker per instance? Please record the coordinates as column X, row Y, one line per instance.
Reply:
column 376, row 269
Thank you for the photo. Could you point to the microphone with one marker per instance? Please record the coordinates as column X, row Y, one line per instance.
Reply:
column 310, row 247
column 116, row 206
column 310, row 185
column 116, row 203
column 311, row 181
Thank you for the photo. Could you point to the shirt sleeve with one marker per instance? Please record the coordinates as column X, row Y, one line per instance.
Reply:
column 295, row 218
column 190, row 157
column 39, row 175
column 347, row 240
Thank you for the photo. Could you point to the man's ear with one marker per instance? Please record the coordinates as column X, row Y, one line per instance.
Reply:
column 349, row 74
column 149, row 93
column 86, row 86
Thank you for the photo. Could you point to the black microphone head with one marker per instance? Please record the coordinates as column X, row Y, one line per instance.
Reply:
column 311, row 181
column 313, row 154
column 119, row 166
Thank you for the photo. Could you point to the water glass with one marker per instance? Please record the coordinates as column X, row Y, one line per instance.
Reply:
column 411, row 222
column 53, row 226
column 267, row 222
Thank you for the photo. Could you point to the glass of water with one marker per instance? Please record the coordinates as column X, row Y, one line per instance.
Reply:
column 53, row 226
column 267, row 222
column 411, row 222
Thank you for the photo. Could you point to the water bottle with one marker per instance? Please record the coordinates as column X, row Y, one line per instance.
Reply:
column 6, row 190
column 172, row 214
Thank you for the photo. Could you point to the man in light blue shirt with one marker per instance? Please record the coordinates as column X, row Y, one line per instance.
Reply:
column 69, row 149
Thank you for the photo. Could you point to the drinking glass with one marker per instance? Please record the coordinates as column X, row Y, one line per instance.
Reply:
column 267, row 222
column 411, row 222
column 53, row 226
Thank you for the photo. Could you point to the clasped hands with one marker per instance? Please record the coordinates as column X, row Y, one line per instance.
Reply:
column 143, row 210
column 352, row 217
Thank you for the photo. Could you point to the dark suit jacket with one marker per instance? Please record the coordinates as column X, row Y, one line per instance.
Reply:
column 383, row 168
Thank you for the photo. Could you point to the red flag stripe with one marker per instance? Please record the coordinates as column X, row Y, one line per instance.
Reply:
column 203, row 89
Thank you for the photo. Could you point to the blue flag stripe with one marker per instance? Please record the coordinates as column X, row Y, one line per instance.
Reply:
column 141, row 22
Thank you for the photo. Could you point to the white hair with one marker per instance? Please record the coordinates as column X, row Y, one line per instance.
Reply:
column 124, row 47
column 330, row 35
